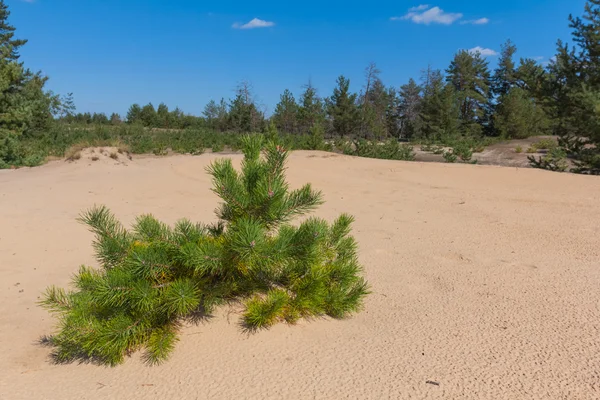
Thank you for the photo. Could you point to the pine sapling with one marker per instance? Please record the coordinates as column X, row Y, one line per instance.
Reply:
column 154, row 277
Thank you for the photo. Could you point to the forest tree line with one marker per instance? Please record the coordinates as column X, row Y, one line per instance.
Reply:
column 468, row 100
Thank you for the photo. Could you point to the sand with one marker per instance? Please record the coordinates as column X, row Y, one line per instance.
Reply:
column 485, row 283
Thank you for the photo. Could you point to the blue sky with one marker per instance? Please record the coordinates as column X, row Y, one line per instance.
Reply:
column 112, row 53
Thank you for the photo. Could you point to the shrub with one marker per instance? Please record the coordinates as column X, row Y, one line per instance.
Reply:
column 450, row 157
column 114, row 156
column 218, row 147
column 438, row 150
column 546, row 144
column 532, row 149
column 160, row 151
column 316, row 137
column 554, row 160
column 388, row 150
column 154, row 277
column 463, row 150
column 518, row 149
column 428, row 147
column 74, row 152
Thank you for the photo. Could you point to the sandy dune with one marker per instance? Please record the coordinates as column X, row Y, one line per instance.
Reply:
column 485, row 281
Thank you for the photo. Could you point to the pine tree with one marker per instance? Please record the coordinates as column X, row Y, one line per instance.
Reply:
column 311, row 109
column 469, row 74
column 115, row 119
column 163, row 118
column 148, row 115
column 67, row 107
column 134, row 114
column 410, row 109
column 99, row 118
column 373, row 104
column 9, row 46
column 533, row 78
column 374, row 111
column 154, row 277
column 439, row 119
column 26, row 109
column 505, row 76
column 342, row 109
column 576, row 91
column 243, row 114
column 211, row 114
column 392, row 114
column 286, row 113
column 518, row 116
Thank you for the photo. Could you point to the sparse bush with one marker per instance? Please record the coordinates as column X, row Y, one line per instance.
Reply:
column 554, row 160
column 73, row 153
column 518, row 149
column 114, row 156
column 153, row 277
column 438, row 150
column 316, row 137
column 546, row 144
column 532, row 149
column 449, row 156
column 463, row 150
column 95, row 158
column 428, row 147
column 218, row 147
column 388, row 150
column 160, row 151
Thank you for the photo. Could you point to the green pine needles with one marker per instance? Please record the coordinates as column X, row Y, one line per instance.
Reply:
column 155, row 277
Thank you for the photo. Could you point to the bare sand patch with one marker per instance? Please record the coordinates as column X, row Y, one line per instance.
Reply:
column 485, row 284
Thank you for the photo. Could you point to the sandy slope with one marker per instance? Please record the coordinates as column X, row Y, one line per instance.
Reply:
column 485, row 280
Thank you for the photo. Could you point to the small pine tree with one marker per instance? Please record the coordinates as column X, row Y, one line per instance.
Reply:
column 342, row 109
column 286, row 113
column 576, row 74
column 153, row 277
column 134, row 114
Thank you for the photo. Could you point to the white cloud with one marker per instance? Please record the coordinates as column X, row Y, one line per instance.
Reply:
column 483, row 51
column 480, row 21
column 255, row 23
column 425, row 15
column 538, row 58
column 419, row 8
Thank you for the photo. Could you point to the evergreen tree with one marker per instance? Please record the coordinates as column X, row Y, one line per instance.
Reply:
column 440, row 109
column 518, row 116
column 576, row 90
column 311, row 109
column 26, row 109
column 286, row 113
column 99, row 118
column 409, row 109
column 9, row 46
column 469, row 74
column 153, row 277
column 163, row 118
column 374, row 109
column 342, row 109
column 532, row 77
column 67, row 107
column 115, row 119
column 505, row 76
column 392, row 114
column 211, row 114
column 373, row 104
column 243, row 115
column 134, row 115
column 148, row 115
